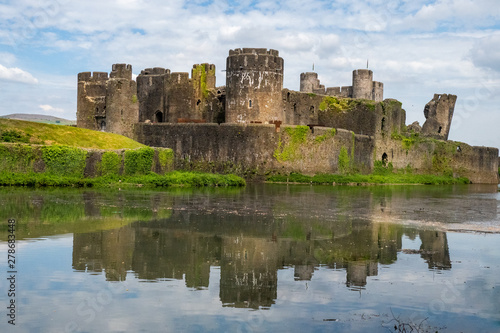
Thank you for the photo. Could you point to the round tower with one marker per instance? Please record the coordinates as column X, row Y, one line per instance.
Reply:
column 254, row 80
column 362, row 84
column 122, row 107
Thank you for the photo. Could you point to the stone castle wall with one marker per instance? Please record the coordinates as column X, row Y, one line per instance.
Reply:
column 252, row 149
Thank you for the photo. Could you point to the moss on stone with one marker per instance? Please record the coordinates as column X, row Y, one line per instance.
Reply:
column 329, row 134
column 344, row 161
column 334, row 104
column 287, row 149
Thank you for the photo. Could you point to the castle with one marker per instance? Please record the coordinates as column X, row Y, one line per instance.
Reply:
column 236, row 127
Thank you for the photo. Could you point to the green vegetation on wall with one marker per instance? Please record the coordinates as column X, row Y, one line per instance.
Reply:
column 201, row 72
column 442, row 157
column 16, row 158
column 110, row 163
column 139, row 161
column 64, row 160
column 344, row 161
column 166, row 158
column 329, row 134
column 334, row 104
column 288, row 149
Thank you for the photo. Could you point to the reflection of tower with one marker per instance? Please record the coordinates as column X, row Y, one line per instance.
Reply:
column 249, row 272
column 434, row 249
column 110, row 250
column 254, row 80
column 358, row 271
column 167, row 254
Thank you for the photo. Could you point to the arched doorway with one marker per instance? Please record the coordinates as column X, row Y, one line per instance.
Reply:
column 385, row 159
column 158, row 117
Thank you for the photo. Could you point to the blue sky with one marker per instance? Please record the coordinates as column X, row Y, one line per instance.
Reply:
column 417, row 48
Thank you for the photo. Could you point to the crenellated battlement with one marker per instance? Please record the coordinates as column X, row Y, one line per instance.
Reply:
column 92, row 77
column 155, row 71
column 254, row 51
column 179, row 77
column 121, row 71
column 254, row 59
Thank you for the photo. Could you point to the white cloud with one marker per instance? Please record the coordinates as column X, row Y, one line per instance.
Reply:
column 416, row 47
column 16, row 75
column 50, row 109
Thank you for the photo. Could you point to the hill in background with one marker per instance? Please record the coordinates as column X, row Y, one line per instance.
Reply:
column 40, row 118
column 48, row 134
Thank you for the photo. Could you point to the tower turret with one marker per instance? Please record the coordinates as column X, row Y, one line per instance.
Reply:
column 362, row 84
column 91, row 102
column 254, row 80
column 122, row 107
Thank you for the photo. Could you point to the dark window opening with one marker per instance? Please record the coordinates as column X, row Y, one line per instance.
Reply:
column 383, row 124
column 439, row 130
column 96, row 110
column 288, row 97
column 311, row 109
column 158, row 117
column 294, row 108
column 198, row 102
column 385, row 159
column 121, row 112
column 249, row 103
column 459, row 149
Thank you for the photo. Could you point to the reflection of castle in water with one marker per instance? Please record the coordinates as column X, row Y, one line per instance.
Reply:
column 249, row 252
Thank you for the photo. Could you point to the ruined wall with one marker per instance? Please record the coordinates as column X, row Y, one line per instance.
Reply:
column 256, row 149
column 363, row 117
column 122, row 106
column 438, row 114
column 309, row 83
column 254, row 80
column 91, row 100
column 478, row 164
column 300, row 108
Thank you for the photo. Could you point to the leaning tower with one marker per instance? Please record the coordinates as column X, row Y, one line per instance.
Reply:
column 254, row 80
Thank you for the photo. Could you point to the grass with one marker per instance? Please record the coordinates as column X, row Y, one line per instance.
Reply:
column 47, row 134
column 357, row 179
column 171, row 179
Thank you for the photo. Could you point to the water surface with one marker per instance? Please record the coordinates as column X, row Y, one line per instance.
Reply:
column 263, row 258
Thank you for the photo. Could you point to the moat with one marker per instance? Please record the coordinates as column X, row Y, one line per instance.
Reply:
column 255, row 259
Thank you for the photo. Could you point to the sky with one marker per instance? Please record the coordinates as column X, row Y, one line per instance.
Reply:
column 416, row 48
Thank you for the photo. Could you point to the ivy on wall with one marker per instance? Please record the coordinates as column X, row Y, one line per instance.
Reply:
column 110, row 163
column 64, row 160
column 16, row 158
column 166, row 158
column 139, row 161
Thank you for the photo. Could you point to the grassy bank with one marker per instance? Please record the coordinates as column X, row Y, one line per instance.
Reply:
column 46, row 134
column 357, row 179
column 171, row 179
